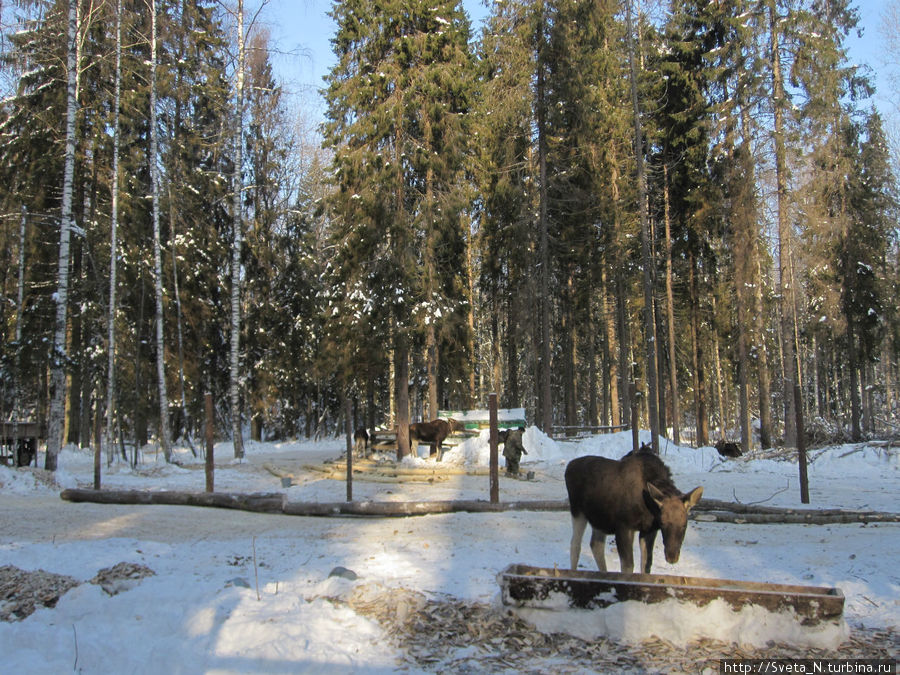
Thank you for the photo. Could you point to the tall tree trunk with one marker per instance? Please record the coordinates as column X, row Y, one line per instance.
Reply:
column 853, row 367
column 431, row 348
column 763, row 378
column 593, row 412
column 702, row 437
column 611, row 376
column 568, row 336
column 647, row 258
column 234, row 390
column 20, row 310
column 721, row 386
column 76, row 350
column 179, row 317
column 779, row 102
column 546, row 416
column 401, row 368
column 56, row 420
column 670, row 315
column 470, row 318
column 164, row 440
column 512, row 350
column 496, row 375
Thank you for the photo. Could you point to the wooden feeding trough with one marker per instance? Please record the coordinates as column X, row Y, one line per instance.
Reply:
column 545, row 588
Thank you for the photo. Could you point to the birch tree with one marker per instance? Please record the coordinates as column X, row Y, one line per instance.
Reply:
column 56, row 420
column 113, row 243
column 164, row 440
column 234, row 391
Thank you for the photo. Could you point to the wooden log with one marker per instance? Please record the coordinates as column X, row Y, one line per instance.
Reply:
column 392, row 509
column 810, row 518
column 277, row 503
column 258, row 502
column 792, row 515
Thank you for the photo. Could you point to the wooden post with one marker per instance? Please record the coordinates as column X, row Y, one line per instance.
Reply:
column 349, row 427
column 494, row 441
column 97, row 436
column 210, row 438
column 801, row 446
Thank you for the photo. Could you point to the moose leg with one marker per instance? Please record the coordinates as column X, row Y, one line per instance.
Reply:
column 625, row 546
column 647, row 539
column 598, row 548
column 579, row 522
column 440, row 451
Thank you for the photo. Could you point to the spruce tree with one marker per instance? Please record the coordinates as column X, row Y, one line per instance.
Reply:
column 397, row 91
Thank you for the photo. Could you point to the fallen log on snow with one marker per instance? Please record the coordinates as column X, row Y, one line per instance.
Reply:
column 277, row 503
column 260, row 502
column 419, row 508
column 706, row 510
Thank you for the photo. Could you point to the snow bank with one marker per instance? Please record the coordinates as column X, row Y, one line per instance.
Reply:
column 540, row 448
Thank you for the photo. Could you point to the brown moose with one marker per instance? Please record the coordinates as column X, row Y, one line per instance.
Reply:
column 434, row 433
column 634, row 494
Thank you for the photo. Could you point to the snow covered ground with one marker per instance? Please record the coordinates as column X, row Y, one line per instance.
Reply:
column 237, row 592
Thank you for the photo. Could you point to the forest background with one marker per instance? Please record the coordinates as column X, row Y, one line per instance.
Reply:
column 677, row 215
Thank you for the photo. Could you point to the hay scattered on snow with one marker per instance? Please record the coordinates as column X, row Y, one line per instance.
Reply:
column 121, row 577
column 21, row 592
column 454, row 636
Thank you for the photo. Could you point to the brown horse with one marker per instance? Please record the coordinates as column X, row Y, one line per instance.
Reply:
column 634, row 494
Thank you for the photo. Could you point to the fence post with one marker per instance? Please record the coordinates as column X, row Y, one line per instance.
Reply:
column 210, row 438
column 801, row 446
column 97, row 445
column 494, row 441
column 349, row 428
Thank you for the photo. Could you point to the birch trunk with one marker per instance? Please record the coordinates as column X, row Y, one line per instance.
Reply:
column 20, row 307
column 164, row 440
column 113, row 245
column 56, row 420
column 234, row 386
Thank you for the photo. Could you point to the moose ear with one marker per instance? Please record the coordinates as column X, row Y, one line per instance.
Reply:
column 655, row 494
column 691, row 498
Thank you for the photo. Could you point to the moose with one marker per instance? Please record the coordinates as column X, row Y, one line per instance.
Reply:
column 512, row 449
column 433, row 433
column 621, row 497
column 361, row 442
column 728, row 448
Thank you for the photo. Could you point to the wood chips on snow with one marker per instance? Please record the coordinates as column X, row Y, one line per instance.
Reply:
column 463, row 637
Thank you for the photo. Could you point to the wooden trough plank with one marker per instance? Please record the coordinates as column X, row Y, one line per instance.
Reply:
column 525, row 586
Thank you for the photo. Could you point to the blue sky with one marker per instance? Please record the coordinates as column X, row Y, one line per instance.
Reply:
column 301, row 30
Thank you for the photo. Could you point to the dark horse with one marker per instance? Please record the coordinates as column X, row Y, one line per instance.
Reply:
column 433, row 433
column 634, row 494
